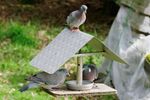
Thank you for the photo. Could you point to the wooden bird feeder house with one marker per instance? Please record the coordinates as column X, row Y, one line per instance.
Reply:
column 66, row 45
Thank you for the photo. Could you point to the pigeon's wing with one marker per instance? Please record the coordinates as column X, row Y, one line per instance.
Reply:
column 56, row 79
column 82, row 19
column 39, row 77
column 76, row 18
column 72, row 17
column 96, row 73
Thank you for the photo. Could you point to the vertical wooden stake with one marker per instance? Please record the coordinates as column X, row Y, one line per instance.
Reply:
column 79, row 70
column 65, row 97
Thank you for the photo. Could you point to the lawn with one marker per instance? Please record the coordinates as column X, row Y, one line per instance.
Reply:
column 19, row 43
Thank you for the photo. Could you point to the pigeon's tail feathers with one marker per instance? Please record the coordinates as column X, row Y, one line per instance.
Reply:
column 28, row 86
column 24, row 88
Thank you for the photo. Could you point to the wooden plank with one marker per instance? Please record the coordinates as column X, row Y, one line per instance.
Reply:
column 142, row 6
column 87, row 54
column 98, row 89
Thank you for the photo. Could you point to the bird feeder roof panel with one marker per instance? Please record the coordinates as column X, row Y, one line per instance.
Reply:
column 60, row 50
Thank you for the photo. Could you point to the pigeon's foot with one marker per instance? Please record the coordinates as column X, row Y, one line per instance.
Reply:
column 75, row 29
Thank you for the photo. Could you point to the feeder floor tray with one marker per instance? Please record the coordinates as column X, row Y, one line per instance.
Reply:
column 98, row 89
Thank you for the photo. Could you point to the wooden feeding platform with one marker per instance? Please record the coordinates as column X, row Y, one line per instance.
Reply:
column 97, row 90
column 66, row 45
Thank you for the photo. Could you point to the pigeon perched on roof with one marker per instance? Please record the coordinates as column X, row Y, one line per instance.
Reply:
column 46, row 80
column 77, row 18
column 90, row 72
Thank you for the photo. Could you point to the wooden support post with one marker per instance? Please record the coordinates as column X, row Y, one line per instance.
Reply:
column 66, row 98
column 79, row 70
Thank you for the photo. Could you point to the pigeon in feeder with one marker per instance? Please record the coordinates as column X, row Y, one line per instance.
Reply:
column 77, row 18
column 90, row 72
column 46, row 80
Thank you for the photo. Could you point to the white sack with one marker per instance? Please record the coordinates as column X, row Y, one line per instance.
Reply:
column 130, row 80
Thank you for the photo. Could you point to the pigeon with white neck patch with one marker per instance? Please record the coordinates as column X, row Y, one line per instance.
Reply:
column 77, row 18
column 90, row 72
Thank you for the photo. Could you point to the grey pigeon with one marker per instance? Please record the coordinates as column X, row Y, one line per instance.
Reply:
column 46, row 80
column 77, row 18
column 90, row 72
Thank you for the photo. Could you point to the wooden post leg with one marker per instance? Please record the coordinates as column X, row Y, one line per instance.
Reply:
column 79, row 70
column 65, row 97
column 74, row 98
column 57, row 98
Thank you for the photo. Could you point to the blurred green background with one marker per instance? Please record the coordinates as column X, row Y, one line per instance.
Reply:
column 26, row 26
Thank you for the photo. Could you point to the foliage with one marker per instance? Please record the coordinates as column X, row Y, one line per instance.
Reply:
column 148, row 58
column 18, row 33
column 18, row 44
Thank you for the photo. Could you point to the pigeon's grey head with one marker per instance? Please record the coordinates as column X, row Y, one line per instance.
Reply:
column 65, row 71
column 83, row 8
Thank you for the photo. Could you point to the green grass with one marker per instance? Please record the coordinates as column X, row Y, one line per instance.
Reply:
column 19, row 43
